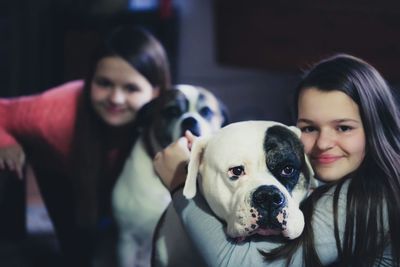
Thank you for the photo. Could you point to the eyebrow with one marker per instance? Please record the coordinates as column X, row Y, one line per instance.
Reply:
column 337, row 121
column 304, row 120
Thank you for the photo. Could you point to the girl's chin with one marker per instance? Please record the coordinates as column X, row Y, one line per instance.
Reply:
column 327, row 177
column 116, row 122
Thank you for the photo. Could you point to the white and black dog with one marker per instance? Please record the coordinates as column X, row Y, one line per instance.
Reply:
column 139, row 198
column 253, row 175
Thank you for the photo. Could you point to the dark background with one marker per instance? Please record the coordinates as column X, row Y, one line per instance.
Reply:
column 250, row 53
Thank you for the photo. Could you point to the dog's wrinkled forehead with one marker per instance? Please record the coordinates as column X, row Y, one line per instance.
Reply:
column 197, row 97
column 188, row 98
column 281, row 143
column 188, row 91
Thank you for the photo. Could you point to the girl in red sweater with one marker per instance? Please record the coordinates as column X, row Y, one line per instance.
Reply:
column 76, row 136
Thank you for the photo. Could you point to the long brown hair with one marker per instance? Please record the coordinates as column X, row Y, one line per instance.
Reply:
column 373, row 196
column 92, row 183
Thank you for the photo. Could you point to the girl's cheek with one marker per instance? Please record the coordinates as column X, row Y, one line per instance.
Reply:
column 307, row 143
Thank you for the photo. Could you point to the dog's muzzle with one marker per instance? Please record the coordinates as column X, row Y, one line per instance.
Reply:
column 269, row 202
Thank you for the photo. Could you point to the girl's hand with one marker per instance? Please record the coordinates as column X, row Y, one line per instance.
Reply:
column 171, row 163
column 12, row 158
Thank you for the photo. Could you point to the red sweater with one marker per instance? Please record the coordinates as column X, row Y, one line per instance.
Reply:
column 42, row 122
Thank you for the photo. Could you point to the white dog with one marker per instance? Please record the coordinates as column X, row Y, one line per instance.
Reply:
column 253, row 175
column 139, row 198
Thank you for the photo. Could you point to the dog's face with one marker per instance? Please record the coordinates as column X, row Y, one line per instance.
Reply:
column 253, row 175
column 187, row 107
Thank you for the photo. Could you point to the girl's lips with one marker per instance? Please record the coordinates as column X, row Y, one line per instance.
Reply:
column 114, row 110
column 326, row 159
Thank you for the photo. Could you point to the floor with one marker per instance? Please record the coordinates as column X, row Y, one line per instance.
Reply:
column 40, row 247
column 37, row 218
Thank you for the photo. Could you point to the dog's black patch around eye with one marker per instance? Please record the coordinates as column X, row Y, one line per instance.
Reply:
column 202, row 107
column 206, row 113
column 284, row 155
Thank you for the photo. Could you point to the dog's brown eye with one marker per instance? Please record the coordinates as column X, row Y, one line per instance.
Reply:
column 235, row 172
column 287, row 171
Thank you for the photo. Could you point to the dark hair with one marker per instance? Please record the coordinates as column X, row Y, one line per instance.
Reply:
column 91, row 183
column 374, row 188
column 140, row 49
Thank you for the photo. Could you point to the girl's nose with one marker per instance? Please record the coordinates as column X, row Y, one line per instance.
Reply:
column 117, row 96
column 326, row 140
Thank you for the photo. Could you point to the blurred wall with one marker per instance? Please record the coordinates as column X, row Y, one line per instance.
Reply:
column 248, row 93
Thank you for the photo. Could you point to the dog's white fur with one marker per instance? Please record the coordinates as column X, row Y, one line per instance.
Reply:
column 211, row 157
column 139, row 197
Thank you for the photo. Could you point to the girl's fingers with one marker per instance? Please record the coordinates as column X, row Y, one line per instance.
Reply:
column 10, row 164
column 191, row 138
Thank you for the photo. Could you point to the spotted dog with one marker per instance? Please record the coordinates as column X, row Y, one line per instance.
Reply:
column 139, row 198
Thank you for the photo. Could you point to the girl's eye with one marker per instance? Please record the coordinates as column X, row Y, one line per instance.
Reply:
column 307, row 129
column 235, row 172
column 131, row 88
column 287, row 171
column 102, row 82
column 344, row 128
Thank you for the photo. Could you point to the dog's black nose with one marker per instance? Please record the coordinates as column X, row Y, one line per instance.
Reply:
column 268, row 198
column 192, row 125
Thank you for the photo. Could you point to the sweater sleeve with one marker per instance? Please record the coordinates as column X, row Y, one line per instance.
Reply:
column 27, row 118
column 16, row 120
column 208, row 234
column 6, row 117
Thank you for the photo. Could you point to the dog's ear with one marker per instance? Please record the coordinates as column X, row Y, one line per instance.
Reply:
column 146, row 113
column 196, row 155
column 296, row 130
